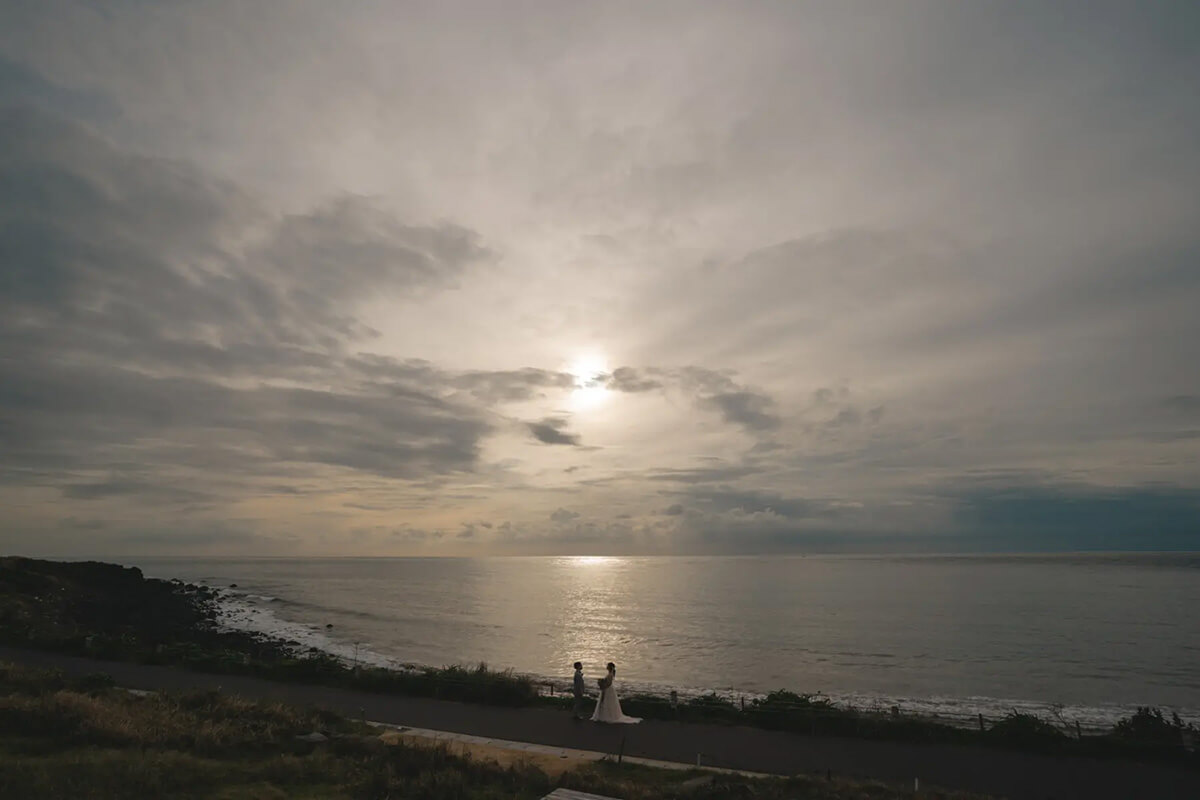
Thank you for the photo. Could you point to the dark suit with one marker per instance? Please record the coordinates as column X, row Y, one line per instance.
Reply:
column 579, row 696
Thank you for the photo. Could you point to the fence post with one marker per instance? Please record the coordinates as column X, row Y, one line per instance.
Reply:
column 1078, row 730
column 981, row 723
column 697, row 759
column 621, row 751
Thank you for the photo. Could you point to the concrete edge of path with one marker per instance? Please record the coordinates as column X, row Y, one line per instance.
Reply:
column 525, row 747
column 547, row 750
column 981, row 770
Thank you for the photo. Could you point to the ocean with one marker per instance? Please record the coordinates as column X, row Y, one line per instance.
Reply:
column 1085, row 637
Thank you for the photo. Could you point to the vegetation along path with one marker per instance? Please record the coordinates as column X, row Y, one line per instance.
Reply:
column 978, row 769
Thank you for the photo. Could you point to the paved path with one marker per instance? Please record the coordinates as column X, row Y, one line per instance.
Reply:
column 541, row 749
column 978, row 769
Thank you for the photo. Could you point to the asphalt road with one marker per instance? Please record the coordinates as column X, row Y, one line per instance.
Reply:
column 977, row 769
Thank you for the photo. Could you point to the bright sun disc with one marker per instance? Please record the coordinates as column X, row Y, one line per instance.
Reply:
column 590, row 373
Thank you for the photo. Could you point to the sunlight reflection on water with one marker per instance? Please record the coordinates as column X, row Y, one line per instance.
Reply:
column 1072, row 630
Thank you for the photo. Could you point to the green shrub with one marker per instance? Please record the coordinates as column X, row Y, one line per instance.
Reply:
column 1026, row 730
column 1148, row 728
column 103, row 610
column 57, row 743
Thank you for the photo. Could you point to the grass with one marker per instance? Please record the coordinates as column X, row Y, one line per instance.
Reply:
column 108, row 611
column 1147, row 734
column 63, row 738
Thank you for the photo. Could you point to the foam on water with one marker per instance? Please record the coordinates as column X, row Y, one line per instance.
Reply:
column 1070, row 640
column 965, row 711
column 955, row 711
column 246, row 611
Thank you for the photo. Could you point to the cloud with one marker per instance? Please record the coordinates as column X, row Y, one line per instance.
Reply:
column 1184, row 404
column 190, row 536
column 562, row 516
column 142, row 261
column 1050, row 516
column 849, row 415
column 574, row 537
column 392, row 430
column 407, row 533
column 716, row 472
column 145, row 491
column 153, row 313
column 709, row 389
column 750, row 410
column 627, row 379
column 854, row 263
column 724, row 499
column 20, row 85
column 511, row 386
column 349, row 246
column 824, row 396
column 736, row 531
column 552, row 430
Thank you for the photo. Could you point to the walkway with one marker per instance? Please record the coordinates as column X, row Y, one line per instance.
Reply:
column 977, row 769
column 544, row 749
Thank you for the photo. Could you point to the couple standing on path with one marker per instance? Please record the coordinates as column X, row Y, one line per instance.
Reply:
column 608, row 708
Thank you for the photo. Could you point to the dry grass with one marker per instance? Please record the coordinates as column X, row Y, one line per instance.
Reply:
column 553, row 766
column 199, row 723
column 80, row 739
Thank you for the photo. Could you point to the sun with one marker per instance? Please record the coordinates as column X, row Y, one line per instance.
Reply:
column 590, row 561
column 590, row 373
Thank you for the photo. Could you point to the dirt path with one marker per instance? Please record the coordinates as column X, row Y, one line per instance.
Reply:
column 977, row 769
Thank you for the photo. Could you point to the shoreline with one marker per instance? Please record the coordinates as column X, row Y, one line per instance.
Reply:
column 109, row 612
column 248, row 611
column 1001, row 772
column 864, row 666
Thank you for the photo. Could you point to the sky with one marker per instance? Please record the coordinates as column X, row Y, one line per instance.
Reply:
column 513, row 278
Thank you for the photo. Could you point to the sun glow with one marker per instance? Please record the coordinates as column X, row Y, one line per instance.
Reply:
column 590, row 561
column 590, row 390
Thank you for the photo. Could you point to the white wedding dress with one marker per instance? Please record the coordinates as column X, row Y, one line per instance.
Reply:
column 608, row 709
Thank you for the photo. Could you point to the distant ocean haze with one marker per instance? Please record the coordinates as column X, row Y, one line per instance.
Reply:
column 1099, row 634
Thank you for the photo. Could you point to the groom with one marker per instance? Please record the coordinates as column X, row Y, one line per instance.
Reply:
column 577, row 713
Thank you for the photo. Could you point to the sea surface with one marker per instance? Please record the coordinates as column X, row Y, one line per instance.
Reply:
column 1087, row 637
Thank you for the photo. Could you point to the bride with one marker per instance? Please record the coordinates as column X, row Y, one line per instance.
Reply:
column 609, row 707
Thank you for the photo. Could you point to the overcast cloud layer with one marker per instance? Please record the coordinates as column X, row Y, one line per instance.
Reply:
column 543, row 277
